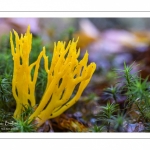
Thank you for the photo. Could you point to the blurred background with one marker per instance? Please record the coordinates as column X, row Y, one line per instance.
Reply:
column 109, row 41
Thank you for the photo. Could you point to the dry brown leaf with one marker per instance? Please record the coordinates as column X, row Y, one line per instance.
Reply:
column 65, row 123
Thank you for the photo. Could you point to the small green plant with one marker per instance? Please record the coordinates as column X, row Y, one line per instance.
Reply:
column 126, row 74
column 137, row 91
column 118, row 122
column 107, row 113
column 112, row 93
column 97, row 128
column 22, row 124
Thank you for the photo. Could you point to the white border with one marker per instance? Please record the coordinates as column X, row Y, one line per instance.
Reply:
column 69, row 144
column 72, row 14
column 68, row 135
column 74, row 5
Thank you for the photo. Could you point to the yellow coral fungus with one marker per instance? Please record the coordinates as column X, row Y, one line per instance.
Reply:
column 65, row 74
column 23, row 86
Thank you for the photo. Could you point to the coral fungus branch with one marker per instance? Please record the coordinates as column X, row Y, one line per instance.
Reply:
column 23, row 88
column 65, row 73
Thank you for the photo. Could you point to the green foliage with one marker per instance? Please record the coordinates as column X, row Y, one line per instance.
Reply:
column 6, row 98
column 118, row 121
column 97, row 128
column 108, row 110
column 136, row 92
column 23, row 124
column 112, row 93
column 5, row 119
column 139, row 90
column 106, row 114
column 6, row 63
column 41, row 84
column 7, row 103
column 126, row 74
column 42, row 76
column 4, row 43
